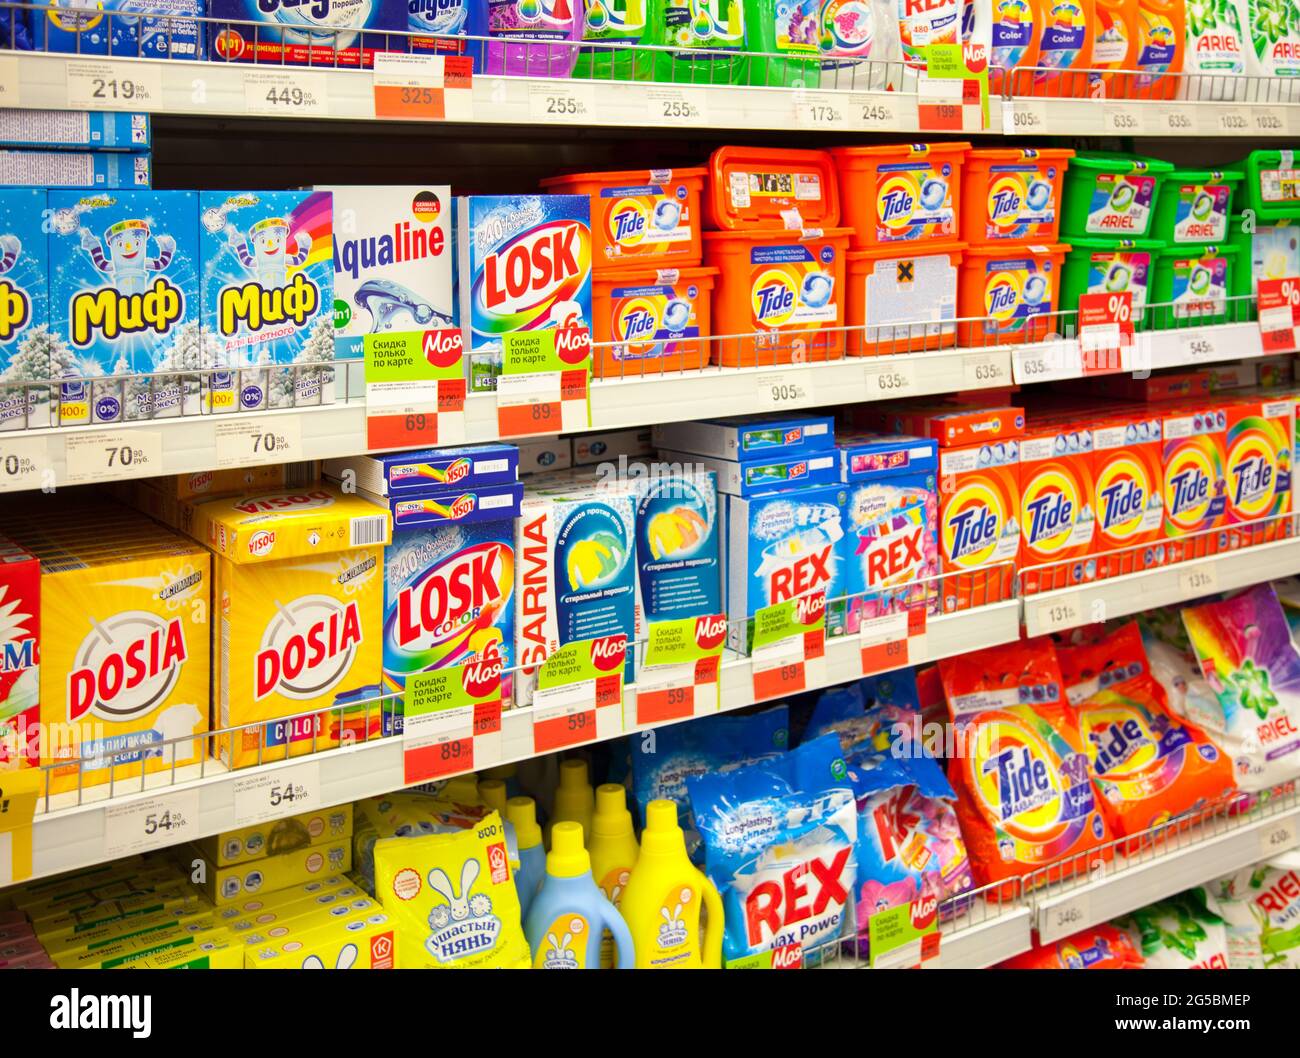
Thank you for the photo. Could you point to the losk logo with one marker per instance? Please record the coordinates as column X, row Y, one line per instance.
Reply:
column 536, row 267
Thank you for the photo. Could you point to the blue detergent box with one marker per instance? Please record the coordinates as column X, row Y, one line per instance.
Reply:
column 401, row 473
column 320, row 33
column 678, row 559
column 752, row 437
column 24, row 308
column 523, row 263
column 124, row 299
column 106, row 169
column 149, row 29
column 267, row 265
column 736, row 478
column 73, row 129
column 890, row 544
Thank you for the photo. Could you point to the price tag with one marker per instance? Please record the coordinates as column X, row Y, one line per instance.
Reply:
column 1177, row 120
column 985, row 370
column 1277, row 837
column 1268, row 120
column 114, row 85
column 561, row 102
column 874, row 111
column 19, row 792
column 1105, row 331
column 939, row 105
column 1046, row 361
column 1024, row 117
column 579, row 694
column 415, row 389
column 24, row 462
column 1123, row 119
column 1279, row 313
column 785, row 389
column 109, row 455
column 890, row 377
column 677, row 106
column 678, row 677
column 821, row 110
column 409, row 87
column 1062, row 919
column 788, row 654
column 298, row 93
column 9, row 81
column 1198, row 579
column 906, row 936
column 150, row 823
column 451, row 721
column 883, row 642
column 1198, row 345
column 241, row 441
column 276, row 794
column 543, row 386
column 1066, row 611
column 1231, row 120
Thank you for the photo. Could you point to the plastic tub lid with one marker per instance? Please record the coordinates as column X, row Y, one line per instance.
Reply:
column 894, row 151
column 1221, row 249
column 629, row 177
column 648, row 274
column 924, row 248
column 1082, row 243
column 1205, row 176
column 815, row 212
column 1119, row 163
column 1020, row 154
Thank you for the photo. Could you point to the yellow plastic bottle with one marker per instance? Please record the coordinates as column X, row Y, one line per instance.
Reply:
column 575, row 800
column 493, row 792
column 661, row 904
column 613, row 851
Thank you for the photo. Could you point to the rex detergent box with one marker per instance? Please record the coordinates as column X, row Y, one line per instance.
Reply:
column 299, row 596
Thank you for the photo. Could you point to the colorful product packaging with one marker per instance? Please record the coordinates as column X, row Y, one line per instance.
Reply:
column 951, row 425
column 71, row 129
column 754, row 189
column 1195, row 489
column 1195, row 281
column 751, row 437
column 612, row 446
column 763, row 475
column 319, row 35
column 1009, row 292
column 118, row 29
column 427, row 470
column 901, row 193
column 25, row 342
column 1183, row 932
column 678, row 535
column 1258, row 459
column 1103, row 947
column 979, row 512
column 1194, row 206
column 103, row 170
column 1057, row 516
column 1268, row 896
column 1013, row 193
column 1112, row 195
column 902, row 301
column 657, row 321
column 364, row 940
column 223, row 885
column 1128, row 495
column 282, row 835
column 1110, row 266
column 20, row 676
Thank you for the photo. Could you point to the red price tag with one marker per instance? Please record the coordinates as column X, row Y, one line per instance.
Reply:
column 451, row 395
column 881, row 657
column 940, row 117
column 421, row 98
column 412, row 430
column 663, row 704
column 521, row 420
column 1279, row 313
column 1105, row 330
column 439, row 760
column 487, row 718
column 786, row 679
column 561, row 732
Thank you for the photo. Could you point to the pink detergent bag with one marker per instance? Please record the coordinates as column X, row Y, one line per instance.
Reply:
column 528, row 38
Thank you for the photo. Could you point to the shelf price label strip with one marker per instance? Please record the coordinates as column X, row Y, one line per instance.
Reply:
column 789, row 651
column 892, row 640
column 19, row 792
column 678, row 677
column 579, row 694
column 1279, row 314
column 545, row 382
column 451, row 721
column 423, row 87
column 415, row 389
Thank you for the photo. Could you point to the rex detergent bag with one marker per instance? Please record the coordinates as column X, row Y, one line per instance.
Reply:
column 1025, row 798
column 1149, row 765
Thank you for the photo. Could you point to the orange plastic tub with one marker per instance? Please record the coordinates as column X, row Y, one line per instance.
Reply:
column 752, row 188
column 779, row 291
column 640, row 218
column 904, row 298
column 901, row 193
column 1012, row 193
column 658, row 319
column 1012, row 290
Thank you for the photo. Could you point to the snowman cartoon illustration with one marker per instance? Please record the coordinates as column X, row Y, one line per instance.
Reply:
column 265, row 250
column 10, row 247
column 127, row 262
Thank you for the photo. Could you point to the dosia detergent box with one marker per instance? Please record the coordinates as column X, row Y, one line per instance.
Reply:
column 392, row 262
column 1258, row 466
column 24, row 308
column 124, row 299
column 523, row 263
column 299, row 596
column 979, row 512
column 1057, row 520
column 20, row 686
column 1128, row 494
column 268, row 297
column 1195, row 489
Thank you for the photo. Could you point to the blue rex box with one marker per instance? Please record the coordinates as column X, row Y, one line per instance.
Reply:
column 677, row 546
column 319, row 33
column 149, row 29
column 124, row 298
column 25, row 344
column 755, row 437
column 268, row 296
column 411, row 473
column 100, row 130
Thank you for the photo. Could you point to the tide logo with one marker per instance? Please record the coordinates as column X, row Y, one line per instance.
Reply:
column 1050, row 506
column 109, row 314
column 896, row 198
column 1122, row 742
column 537, row 268
column 636, row 320
column 1018, row 780
column 1190, row 477
column 627, row 222
column 1005, row 198
column 774, row 297
column 126, row 667
column 15, row 309
column 1002, row 295
column 455, row 598
column 1124, row 489
column 1252, row 474
column 307, row 648
column 972, row 523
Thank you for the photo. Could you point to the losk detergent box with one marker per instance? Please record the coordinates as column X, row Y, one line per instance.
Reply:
column 1128, row 493
column 225, row 884
column 890, row 544
column 1057, row 517
column 24, row 308
column 364, row 940
column 523, row 263
column 1258, row 461
column 575, row 572
column 268, row 298
column 449, row 585
column 124, row 300
column 427, row 470
column 392, row 262
column 979, row 521
column 678, row 560
column 763, row 475
column 299, row 598
column 322, row 33
column 20, row 672
column 783, row 545
column 753, row 437
column 277, row 836
column 116, row 27
column 1195, row 486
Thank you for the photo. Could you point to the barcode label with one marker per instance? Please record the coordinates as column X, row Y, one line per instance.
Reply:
column 366, row 531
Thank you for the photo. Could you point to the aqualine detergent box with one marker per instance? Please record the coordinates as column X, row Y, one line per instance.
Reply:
column 979, row 521
column 268, row 301
column 320, row 33
column 116, row 27
column 783, row 545
column 392, row 262
column 1128, row 494
column 124, row 297
column 428, row 470
column 20, row 678
column 764, row 475
column 1258, row 464
column 757, row 437
column 523, row 264
column 678, row 562
column 24, row 308
column 1057, row 517
column 107, row 169
column 890, row 542
column 99, row 130
column 1195, row 489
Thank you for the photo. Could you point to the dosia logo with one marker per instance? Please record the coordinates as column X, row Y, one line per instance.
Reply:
column 252, row 306
column 307, row 647
column 628, row 222
column 542, row 266
column 802, row 894
column 126, row 667
column 774, row 297
column 15, row 309
column 285, row 501
column 109, row 314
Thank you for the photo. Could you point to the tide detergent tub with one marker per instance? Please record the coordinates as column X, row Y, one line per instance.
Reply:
column 299, row 596
column 124, row 298
column 678, row 543
column 1194, row 206
column 783, row 288
column 979, row 521
column 1109, row 266
column 268, row 296
column 901, row 193
column 642, row 218
column 1057, row 517
column 1112, row 195
column 902, row 298
column 1013, row 193
column 324, row 33
column 1128, row 493
column 1008, row 293
column 24, row 307
column 523, row 263
column 1258, row 464
column 1196, row 280
column 1195, row 491
column 656, row 320
column 752, row 188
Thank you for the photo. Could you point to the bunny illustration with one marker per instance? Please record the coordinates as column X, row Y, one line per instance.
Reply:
column 440, row 883
column 346, row 957
column 560, row 953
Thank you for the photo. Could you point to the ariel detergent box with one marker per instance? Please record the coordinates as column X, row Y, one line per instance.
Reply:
column 392, row 262
column 124, row 299
column 523, row 263
column 24, row 308
column 268, row 297
column 321, row 33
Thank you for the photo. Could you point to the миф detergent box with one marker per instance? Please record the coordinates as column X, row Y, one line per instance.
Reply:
column 24, row 308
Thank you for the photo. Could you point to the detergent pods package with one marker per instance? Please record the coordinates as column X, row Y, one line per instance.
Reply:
column 779, row 845
column 453, row 899
column 1244, row 649
column 1025, row 796
column 1184, row 932
column 1149, row 765
column 1103, row 947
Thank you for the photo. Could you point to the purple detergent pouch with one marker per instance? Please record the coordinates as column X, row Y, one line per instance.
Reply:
column 526, row 37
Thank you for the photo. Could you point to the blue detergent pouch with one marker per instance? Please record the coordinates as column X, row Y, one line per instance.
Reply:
column 864, row 710
column 779, row 844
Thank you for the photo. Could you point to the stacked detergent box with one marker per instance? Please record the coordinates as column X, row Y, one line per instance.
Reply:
column 56, row 148
column 449, row 572
column 319, row 34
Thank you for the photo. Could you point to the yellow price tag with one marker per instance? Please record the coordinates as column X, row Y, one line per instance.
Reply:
column 19, row 791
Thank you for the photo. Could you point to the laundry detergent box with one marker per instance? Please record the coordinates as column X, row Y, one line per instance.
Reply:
column 1258, row 456
column 85, row 169
column 70, row 129
column 268, row 302
column 979, row 521
column 20, row 686
column 1195, row 489
column 890, row 543
column 1128, row 493
column 523, row 263
column 224, row 884
column 678, row 545
column 759, row 437
column 612, row 446
column 1057, row 517
column 392, row 262
column 277, row 836
column 116, row 27
column 427, row 470
column 364, row 940
column 324, row 33
column 25, row 345
column 124, row 300
column 540, row 455
column 783, row 545
column 762, row 475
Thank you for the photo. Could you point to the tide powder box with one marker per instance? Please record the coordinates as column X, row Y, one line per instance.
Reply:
column 759, row 437
column 278, row 836
column 1057, row 517
column 763, row 475
column 1195, row 485
column 979, row 512
column 1258, row 467
column 1128, row 494
column 24, row 308
column 431, row 469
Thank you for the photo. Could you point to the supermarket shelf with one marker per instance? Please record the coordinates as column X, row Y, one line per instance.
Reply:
column 1190, row 346
column 972, row 943
column 1024, row 116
